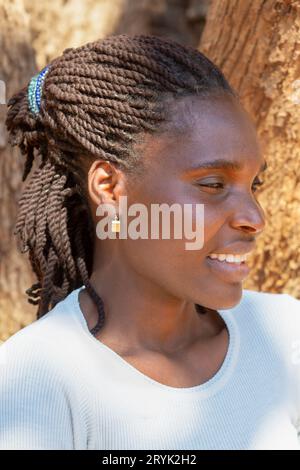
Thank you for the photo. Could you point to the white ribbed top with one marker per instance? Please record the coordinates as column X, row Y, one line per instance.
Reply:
column 61, row 388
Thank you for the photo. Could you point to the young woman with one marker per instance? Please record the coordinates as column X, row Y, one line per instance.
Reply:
column 139, row 342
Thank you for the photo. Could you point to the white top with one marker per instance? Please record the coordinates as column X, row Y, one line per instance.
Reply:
column 61, row 388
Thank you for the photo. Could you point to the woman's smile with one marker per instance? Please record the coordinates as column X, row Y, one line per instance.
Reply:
column 230, row 263
column 226, row 271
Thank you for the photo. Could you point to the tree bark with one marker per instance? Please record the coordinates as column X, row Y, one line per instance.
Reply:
column 180, row 20
column 17, row 65
column 89, row 20
column 257, row 46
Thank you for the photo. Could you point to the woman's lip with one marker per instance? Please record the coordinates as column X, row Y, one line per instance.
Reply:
column 228, row 272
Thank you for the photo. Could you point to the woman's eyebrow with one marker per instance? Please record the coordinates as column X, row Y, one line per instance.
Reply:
column 224, row 164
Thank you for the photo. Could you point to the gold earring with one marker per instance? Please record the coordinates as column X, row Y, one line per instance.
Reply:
column 116, row 224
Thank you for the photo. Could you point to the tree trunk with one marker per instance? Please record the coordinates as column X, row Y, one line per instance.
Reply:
column 59, row 24
column 16, row 67
column 180, row 20
column 257, row 46
column 89, row 20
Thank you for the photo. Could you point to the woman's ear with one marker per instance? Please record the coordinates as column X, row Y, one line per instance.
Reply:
column 100, row 182
column 105, row 184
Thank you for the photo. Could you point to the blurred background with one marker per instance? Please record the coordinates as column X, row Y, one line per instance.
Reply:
column 256, row 43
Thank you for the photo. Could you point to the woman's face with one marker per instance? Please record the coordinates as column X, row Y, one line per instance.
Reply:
column 205, row 130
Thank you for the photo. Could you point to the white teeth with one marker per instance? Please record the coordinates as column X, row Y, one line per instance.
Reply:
column 229, row 258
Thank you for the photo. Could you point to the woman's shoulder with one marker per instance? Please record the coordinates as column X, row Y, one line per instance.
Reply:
column 272, row 315
column 42, row 392
column 47, row 337
column 270, row 301
column 268, row 313
column 270, row 307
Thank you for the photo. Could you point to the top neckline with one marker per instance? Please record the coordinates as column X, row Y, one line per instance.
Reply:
column 212, row 385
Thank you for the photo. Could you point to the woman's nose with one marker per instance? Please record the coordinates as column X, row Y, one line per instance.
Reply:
column 248, row 216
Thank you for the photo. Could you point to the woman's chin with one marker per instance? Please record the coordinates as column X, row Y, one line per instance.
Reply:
column 225, row 298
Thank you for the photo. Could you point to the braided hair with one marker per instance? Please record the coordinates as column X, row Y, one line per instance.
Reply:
column 97, row 101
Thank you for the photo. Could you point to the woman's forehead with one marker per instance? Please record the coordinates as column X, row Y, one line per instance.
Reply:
column 204, row 130
column 198, row 117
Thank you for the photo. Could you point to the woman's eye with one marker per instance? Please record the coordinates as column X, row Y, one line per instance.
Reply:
column 257, row 183
column 212, row 185
column 221, row 185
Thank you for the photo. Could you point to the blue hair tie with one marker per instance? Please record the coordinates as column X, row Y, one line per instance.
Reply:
column 35, row 88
